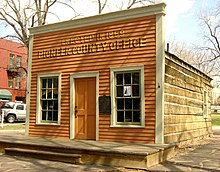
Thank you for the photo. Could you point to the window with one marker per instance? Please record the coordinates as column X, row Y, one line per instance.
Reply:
column 10, row 82
column 127, row 88
column 11, row 61
column 48, row 99
column 205, row 104
column 18, row 61
column 20, row 107
column 17, row 83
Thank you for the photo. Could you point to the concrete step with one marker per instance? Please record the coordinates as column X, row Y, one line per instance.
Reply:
column 42, row 154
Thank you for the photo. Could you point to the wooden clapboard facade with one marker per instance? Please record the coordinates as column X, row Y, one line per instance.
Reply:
column 100, row 78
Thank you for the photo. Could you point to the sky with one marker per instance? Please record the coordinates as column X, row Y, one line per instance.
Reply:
column 181, row 20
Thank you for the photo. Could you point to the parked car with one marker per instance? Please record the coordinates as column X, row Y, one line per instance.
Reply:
column 14, row 111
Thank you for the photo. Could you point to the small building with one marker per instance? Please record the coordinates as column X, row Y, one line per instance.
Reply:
column 13, row 64
column 215, row 104
column 108, row 78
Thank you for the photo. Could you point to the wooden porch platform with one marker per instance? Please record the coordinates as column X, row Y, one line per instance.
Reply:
column 131, row 155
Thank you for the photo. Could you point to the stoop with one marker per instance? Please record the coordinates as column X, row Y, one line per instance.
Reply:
column 130, row 155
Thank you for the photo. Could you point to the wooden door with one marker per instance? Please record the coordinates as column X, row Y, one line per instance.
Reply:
column 85, row 108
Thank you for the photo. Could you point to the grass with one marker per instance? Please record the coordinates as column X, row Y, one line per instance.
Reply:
column 215, row 119
column 17, row 126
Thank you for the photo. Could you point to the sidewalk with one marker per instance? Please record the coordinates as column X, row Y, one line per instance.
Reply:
column 203, row 157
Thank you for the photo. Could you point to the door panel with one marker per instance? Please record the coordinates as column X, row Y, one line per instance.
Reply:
column 85, row 105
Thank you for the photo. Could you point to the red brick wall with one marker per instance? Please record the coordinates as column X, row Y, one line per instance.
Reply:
column 6, row 48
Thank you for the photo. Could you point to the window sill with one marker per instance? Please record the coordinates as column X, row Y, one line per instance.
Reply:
column 53, row 124
column 127, row 126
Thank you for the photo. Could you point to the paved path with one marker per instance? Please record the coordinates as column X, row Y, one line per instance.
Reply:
column 200, row 158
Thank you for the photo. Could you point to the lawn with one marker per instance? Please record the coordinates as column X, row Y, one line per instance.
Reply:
column 215, row 119
column 17, row 126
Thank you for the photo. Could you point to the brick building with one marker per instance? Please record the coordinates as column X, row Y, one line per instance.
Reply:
column 13, row 65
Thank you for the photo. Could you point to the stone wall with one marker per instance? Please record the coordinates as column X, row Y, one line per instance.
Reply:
column 187, row 111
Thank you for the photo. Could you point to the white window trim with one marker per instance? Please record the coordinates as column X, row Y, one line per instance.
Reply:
column 38, row 110
column 113, row 106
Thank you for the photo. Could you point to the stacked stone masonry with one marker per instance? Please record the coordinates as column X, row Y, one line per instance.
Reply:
column 184, row 117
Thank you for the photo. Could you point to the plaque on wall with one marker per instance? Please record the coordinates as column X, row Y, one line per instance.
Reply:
column 105, row 105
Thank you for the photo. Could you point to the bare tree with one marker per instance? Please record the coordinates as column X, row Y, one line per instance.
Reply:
column 124, row 4
column 26, row 13
column 194, row 56
column 142, row 2
column 210, row 23
column 101, row 5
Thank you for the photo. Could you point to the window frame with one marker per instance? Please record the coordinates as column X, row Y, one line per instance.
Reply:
column 113, row 71
column 10, row 82
column 18, row 83
column 18, row 61
column 11, row 61
column 39, row 106
column 205, row 104
column 19, row 107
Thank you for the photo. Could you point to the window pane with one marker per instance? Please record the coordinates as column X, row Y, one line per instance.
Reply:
column 55, row 93
column 119, row 91
column 44, row 83
column 20, row 107
column 55, row 105
column 128, row 103
column 135, row 78
column 119, row 79
column 49, row 94
column 50, row 105
column 128, row 116
column 49, row 83
column 55, row 115
column 44, row 105
column 136, row 103
column 120, row 116
column 127, row 77
column 11, row 61
column 120, row 104
column 135, row 90
column 49, row 115
column 55, row 83
column 127, row 91
column 44, row 115
column 43, row 94
column 18, row 61
column 136, row 116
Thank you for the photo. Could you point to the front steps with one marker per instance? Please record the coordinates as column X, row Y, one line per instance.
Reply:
column 129, row 155
column 47, row 155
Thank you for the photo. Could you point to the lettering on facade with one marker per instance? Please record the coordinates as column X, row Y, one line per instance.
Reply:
column 89, row 44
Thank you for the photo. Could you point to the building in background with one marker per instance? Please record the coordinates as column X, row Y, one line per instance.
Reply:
column 215, row 105
column 13, row 70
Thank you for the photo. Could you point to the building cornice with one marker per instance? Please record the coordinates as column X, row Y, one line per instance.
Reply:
column 101, row 19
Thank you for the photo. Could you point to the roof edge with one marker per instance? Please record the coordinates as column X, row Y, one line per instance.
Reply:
column 173, row 56
column 154, row 9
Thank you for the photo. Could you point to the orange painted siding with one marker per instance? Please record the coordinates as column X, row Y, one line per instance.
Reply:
column 72, row 62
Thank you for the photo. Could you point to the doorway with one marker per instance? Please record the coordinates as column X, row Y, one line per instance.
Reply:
column 84, row 113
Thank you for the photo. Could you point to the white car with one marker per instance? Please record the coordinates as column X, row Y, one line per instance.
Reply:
column 14, row 111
